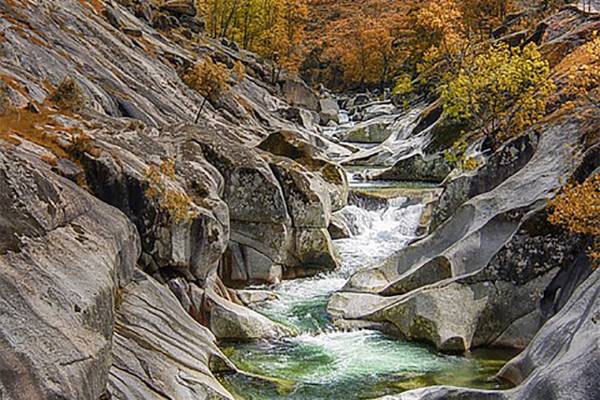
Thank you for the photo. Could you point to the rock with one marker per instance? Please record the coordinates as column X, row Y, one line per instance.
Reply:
column 112, row 18
column 119, row 176
column 63, row 256
column 507, row 161
column 244, row 264
column 290, row 145
column 559, row 363
column 303, row 117
column 68, row 169
column 405, row 140
column 330, row 111
column 253, row 297
column 339, row 228
column 371, row 131
column 480, row 226
column 377, row 110
column 150, row 323
column 232, row 321
column 179, row 7
column 432, row 168
column 297, row 93
column 359, row 100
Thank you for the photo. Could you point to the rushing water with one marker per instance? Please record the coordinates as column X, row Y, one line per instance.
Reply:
column 325, row 363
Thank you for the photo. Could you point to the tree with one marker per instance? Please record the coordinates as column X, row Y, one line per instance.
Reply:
column 485, row 15
column 272, row 28
column 577, row 209
column 501, row 92
column 208, row 78
column 440, row 41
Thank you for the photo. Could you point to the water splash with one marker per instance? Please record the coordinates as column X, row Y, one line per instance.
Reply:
column 376, row 235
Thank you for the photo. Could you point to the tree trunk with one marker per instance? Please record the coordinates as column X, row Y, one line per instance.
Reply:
column 199, row 111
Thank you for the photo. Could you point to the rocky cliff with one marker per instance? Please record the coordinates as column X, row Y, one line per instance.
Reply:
column 132, row 209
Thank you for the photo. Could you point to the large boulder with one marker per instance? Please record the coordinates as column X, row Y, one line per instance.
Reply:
column 491, row 172
column 231, row 321
column 559, row 363
column 64, row 255
column 371, row 131
column 280, row 196
column 190, row 234
column 297, row 93
column 417, row 166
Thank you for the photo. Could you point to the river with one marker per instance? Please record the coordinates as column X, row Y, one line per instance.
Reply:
column 324, row 362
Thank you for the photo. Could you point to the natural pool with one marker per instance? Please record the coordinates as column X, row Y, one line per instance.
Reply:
column 323, row 362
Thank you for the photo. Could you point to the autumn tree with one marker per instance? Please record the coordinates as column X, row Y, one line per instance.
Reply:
column 208, row 78
column 577, row 209
column 485, row 15
column 501, row 92
column 440, row 41
column 273, row 29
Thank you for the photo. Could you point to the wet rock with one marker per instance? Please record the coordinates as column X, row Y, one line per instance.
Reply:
column 371, row 131
column 429, row 168
column 253, row 297
column 559, row 363
column 377, row 110
column 232, row 321
column 339, row 228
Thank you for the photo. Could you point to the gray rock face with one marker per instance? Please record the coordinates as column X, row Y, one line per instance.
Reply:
column 509, row 159
column 188, row 191
column 150, row 324
column 63, row 256
column 297, row 93
column 492, row 259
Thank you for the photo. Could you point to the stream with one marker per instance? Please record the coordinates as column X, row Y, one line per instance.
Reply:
column 323, row 362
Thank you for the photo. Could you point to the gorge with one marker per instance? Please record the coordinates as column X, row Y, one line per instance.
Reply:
column 166, row 236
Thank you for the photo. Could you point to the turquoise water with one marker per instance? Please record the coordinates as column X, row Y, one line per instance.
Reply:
column 325, row 363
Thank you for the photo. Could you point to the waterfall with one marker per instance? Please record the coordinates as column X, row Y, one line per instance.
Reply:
column 379, row 228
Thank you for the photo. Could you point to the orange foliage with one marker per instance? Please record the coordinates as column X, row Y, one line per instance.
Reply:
column 577, row 209
column 272, row 28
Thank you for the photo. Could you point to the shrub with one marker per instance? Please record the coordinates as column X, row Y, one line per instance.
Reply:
column 68, row 95
column 177, row 205
column 458, row 158
column 503, row 91
column 577, row 209
column 584, row 77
